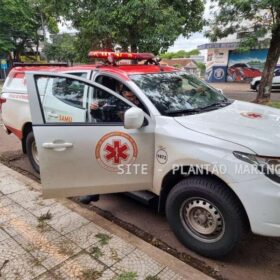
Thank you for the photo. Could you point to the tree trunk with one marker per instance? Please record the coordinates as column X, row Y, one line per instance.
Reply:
column 268, row 71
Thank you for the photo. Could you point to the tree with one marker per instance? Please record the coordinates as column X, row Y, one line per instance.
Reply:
column 62, row 48
column 139, row 25
column 257, row 18
column 179, row 54
column 20, row 21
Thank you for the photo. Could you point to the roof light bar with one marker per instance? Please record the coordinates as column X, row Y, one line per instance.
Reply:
column 118, row 56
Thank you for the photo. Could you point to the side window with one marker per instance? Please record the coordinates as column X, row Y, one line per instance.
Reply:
column 78, row 74
column 42, row 85
column 69, row 91
column 118, row 87
column 99, row 107
column 106, row 108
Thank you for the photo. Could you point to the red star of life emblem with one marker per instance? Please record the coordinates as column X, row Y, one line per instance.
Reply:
column 116, row 152
column 254, row 115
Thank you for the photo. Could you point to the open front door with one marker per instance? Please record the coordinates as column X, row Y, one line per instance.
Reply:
column 96, row 155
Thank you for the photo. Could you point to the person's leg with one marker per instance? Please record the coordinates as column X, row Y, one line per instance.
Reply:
column 86, row 199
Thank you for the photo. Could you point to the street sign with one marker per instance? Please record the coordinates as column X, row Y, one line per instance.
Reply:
column 4, row 64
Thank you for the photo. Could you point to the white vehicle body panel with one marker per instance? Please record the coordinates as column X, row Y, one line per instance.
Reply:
column 260, row 134
column 76, row 170
column 208, row 138
column 16, row 112
column 275, row 80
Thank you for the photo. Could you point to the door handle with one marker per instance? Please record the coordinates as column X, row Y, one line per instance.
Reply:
column 52, row 115
column 52, row 145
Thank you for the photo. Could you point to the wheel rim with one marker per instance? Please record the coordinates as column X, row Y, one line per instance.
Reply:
column 202, row 219
column 35, row 153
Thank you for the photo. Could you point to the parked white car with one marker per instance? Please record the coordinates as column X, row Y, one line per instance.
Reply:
column 255, row 83
column 211, row 163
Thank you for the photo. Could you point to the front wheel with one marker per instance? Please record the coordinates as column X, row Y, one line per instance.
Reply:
column 32, row 152
column 205, row 216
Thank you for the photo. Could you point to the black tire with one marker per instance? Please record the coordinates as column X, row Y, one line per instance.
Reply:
column 30, row 141
column 186, row 198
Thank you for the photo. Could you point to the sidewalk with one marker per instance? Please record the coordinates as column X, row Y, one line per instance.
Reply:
column 57, row 239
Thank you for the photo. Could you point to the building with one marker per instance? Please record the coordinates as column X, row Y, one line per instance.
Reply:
column 188, row 64
column 226, row 64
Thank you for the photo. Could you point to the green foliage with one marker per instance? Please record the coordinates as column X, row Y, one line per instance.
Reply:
column 274, row 104
column 179, row 54
column 254, row 17
column 62, row 48
column 202, row 67
column 20, row 21
column 96, row 252
column 144, row 25
column 127, row 276
column 103, row 238
column 152, row 278
column 91, row 274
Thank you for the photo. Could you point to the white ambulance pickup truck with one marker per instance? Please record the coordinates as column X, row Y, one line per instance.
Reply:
column 211, row 163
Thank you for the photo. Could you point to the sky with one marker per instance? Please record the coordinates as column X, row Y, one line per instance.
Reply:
column 195, row 39
column 188, row 44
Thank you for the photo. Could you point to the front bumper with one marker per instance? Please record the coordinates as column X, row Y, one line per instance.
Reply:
column 261, row 200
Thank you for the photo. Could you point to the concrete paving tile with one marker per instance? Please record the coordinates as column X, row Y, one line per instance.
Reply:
column 11, row 211
column 3, row 168
column 55, row 252
column 46, row 276
column 24, row 267
column 168, row 274
column 49, row 252
column 85, row 236
column 55, row 210
column 68, row 222
column 9, row 250
column 82, row 267
column 114, row 251
column 107, row 275
column 30, row 200
column 4, row 201
column 28, row 225
column 140, row 263
column 3, row 235
column 9, row 184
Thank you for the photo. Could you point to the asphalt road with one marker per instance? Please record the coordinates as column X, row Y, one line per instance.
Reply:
column 256, row 257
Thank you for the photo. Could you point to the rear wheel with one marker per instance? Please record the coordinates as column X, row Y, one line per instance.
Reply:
column 32, row 152
column 205, row 216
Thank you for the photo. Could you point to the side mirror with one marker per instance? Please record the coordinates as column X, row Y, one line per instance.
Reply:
column 133, row 118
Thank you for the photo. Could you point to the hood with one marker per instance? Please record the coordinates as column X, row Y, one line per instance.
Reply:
column 254, row 126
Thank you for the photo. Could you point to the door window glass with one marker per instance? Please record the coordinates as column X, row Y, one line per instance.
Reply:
column 76, row 106
column 106, row 108
column 277, row 73
column 69, row 91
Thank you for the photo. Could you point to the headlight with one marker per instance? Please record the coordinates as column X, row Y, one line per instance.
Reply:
column 269, row 166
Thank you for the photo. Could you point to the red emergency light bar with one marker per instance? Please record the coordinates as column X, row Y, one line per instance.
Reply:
column 118, row 56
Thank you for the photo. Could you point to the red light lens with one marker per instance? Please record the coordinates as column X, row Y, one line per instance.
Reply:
column 2, row 100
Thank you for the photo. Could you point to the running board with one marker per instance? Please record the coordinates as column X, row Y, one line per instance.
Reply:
column 144, row 197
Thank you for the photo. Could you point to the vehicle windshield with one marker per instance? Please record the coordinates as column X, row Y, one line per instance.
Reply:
column 178, row 92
